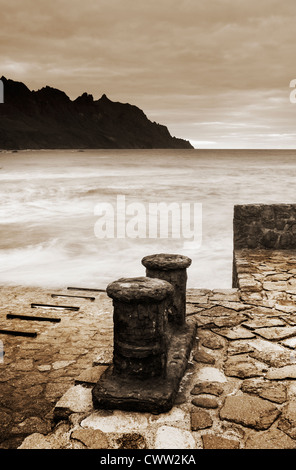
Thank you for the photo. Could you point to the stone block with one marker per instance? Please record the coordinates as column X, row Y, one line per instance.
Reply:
column 275, row 392
column 200, row 419
column 211, row 388
column 212, row 441
column 77, row 399
column 205, row 402
column 276, row 333
column 287, row 422
column 234, row 333
column 243, row 367
column 211, row 374
column 249, row 411
column 270, row 439
column 116, row 422
column 264, row 226
column 282, row 373
column 90, row 376
column 91, row 438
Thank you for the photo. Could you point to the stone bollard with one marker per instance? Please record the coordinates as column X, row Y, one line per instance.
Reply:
column 171, row 268
column 140, row 321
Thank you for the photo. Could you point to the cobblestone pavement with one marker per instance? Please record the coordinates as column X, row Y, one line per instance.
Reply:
column 36, row 371
column 239, row 390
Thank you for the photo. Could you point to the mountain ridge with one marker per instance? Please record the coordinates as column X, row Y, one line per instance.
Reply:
column 49, row 119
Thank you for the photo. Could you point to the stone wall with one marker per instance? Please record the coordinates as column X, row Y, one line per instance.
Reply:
column 264, row 226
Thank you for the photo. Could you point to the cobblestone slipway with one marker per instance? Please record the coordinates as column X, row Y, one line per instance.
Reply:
column 239, row 390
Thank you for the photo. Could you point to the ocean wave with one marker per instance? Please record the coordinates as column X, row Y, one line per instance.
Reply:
column 47, row 210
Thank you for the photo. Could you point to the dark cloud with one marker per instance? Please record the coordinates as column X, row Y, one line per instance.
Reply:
column 185, row 62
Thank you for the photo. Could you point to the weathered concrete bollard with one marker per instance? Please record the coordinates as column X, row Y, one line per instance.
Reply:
column 171, row 268
column 150, row 354
column 140, row 326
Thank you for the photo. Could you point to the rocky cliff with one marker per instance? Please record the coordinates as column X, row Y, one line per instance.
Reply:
column 49, row 119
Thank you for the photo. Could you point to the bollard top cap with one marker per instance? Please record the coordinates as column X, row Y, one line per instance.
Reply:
column 139, row 289
column 166, row 261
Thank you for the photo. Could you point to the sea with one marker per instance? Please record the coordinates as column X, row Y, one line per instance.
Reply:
column 82, row 218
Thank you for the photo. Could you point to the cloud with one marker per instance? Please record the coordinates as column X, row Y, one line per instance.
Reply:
column 182, row 61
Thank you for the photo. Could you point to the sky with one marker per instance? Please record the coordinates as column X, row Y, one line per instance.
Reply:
column 215, row 72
